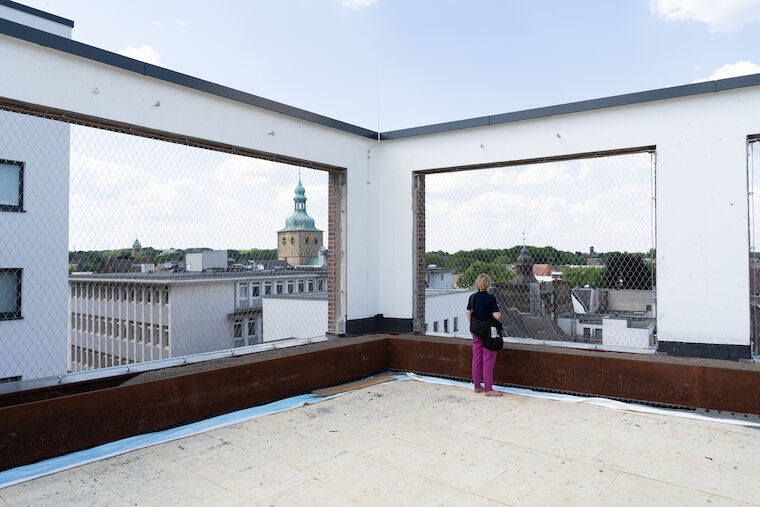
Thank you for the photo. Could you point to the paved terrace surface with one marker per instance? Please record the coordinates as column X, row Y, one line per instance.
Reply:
column 411, row 443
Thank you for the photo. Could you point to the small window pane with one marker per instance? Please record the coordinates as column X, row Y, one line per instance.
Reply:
column 10, row 181
column 10, row 293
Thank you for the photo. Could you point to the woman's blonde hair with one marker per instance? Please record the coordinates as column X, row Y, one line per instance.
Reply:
column 483, row 282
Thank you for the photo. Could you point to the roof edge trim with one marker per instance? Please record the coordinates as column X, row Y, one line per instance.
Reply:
column 75, row 48
column 580, row 106
column 36, row 12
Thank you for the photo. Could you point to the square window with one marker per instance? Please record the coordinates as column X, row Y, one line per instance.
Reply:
column 279, row 288
column 321, row 285
column 255, row 290
column 268, row 288
column 11, row 185
column 290, row 287
column 311, row 285
column 10, row 294
column 242, row 291
column 435, row 326
column 251, row 327
column 587, row 332
column 598, row 334
column 166, row 337
column 300, row 285
column 238, row 329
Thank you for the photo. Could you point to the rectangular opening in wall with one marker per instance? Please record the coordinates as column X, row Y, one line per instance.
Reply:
column 135, row 248
column 753, row 187
column 569, row 247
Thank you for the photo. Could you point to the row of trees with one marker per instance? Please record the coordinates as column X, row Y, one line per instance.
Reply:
column 463, row 259
column 620, row 270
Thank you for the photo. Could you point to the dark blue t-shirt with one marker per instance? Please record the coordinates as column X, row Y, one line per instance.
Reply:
column 482, row 305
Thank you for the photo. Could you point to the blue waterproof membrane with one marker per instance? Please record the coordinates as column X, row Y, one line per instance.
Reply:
column 600, row 402
column 75, row 459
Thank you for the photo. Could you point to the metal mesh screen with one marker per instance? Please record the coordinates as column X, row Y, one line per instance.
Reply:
column 122, row 249
column 569, row 247
column 753, row 181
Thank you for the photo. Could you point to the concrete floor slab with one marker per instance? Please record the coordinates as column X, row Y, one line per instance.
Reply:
column 411, row 443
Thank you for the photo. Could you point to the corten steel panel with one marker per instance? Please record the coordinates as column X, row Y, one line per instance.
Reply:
column 652, row 379
column 59, row 390
column 46, row 428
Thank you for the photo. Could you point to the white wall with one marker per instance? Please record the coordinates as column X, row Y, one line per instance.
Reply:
column 447, row 305
column 36, row 240
column 702, row 263
column 290, row 317
column 129, row 97
column 198, row 317
column 701, row 175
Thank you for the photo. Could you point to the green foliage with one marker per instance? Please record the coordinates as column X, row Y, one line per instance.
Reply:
column 582, row 276
column 498, row 273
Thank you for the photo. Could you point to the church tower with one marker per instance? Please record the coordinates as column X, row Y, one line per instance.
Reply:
column 299, row 242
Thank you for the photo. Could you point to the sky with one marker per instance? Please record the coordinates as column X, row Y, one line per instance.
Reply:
column 384, row 65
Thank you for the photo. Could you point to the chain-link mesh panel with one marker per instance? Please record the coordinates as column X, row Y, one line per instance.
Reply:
column 122, row 249
column 569, row 248
column 753, row 181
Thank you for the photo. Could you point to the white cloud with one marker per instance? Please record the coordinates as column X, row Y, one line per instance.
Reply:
column 157, row 24
column 182, row 23
column 144, row 53
column 742, row 68
column 719, row 15
column 358, row 4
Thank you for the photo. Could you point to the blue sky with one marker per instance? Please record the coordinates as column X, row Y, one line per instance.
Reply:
column 424, row 61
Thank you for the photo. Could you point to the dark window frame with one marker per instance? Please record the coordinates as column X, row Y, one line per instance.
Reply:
column 12, row 207
column 17, row 314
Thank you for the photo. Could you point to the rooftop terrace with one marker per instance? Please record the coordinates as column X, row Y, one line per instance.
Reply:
column 409, row 442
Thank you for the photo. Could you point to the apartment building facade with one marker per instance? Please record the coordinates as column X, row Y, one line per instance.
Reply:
column 34, row 210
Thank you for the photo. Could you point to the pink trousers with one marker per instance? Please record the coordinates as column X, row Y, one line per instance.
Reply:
column 482, row 364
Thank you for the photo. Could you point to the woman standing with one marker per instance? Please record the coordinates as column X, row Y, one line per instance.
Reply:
column 483, row 306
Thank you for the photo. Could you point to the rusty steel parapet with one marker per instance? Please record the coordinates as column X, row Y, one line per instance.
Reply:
column 45, row 428
column 686, row 382
column 38, row 425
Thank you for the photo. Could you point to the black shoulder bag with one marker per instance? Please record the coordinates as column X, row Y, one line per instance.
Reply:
column 482, row 329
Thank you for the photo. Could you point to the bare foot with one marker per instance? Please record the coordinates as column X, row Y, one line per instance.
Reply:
column 494, row 393
column 478, row 389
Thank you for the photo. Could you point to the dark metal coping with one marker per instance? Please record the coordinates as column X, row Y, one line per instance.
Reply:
column 37, row 12
column 583, row 105
column 100, row 55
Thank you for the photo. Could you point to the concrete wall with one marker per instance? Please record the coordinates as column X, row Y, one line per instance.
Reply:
column 447, row 305
column 129, row 97
column 701, row 175
column 199, row 320
column 702, row 254
column 291, row 317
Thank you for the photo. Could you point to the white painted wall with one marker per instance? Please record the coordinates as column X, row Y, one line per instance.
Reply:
column 447, row 305
column 293, row 317
column 702, row 263
column 129, row 97
column 198, row 319
column 37, row 241
column 701, row 176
